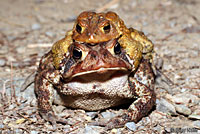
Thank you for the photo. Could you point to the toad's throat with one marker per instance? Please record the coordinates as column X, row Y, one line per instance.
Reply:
column 93, row 83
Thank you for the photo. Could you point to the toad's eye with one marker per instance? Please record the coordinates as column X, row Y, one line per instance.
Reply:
column 77, row 53
column 78, row 28
column 117, row 48
column 106, row 28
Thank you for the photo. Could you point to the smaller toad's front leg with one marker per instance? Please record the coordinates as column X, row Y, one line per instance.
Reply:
column 142, row 85
column 44, row 90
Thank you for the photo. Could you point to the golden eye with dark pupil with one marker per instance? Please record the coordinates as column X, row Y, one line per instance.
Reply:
column 117, row 48
column 77, row 53
column 78, row 28
column 106, row 28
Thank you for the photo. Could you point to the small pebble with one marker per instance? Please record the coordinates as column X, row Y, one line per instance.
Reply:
column 91, row 130
column 11, row 106
column 108, row 115
column 18, row 131
column 183, row 109
column 194, row 116
column 10, row 37
column 40, row 18
column 1, row 126
column 173, row 24
column 165, row 107
column 91, row 114
column 36, row 26
column 29, row 111
column 34, row 132
column 59, row 108
column 50, row 34
column 71, row 18
column 183, row 90
column 131, row 126
column 114, row 6
column 21, row 49
column 157, row 128
column 179, row 38
column 167, row 129
column 141, row 127
column 88, row 129
column 196, row 124
column 2, row 62
column 197, row 111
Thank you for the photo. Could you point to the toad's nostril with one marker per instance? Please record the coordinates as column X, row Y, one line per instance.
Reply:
column 94, row 55
column 105, row 54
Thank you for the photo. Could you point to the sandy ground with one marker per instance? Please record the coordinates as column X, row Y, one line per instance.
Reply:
column 28, row 28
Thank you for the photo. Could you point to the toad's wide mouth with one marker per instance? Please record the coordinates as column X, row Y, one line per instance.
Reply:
column 97, row 69
column 101, row 74
column 102, row 71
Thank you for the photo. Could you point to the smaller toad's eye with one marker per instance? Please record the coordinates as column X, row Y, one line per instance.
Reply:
column 106, row 28
column 78, row 28
column 77, row 53
column 117, row 48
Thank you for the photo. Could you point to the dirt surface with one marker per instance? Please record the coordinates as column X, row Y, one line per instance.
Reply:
column 29, row 28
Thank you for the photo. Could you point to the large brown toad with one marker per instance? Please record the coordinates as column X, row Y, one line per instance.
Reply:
column 96, row 75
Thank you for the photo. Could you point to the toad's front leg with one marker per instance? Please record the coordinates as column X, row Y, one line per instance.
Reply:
column 44, row 90
column 142, row 85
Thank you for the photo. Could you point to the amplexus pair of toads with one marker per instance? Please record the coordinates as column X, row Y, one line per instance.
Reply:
column 99, row 64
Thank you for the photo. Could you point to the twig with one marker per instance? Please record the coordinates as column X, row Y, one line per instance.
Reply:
column 24, row 129
column 165, row 78
column 40, row 45
column 162, row 114
column 13, row 95
column 27, row 118
column 106, row 6
column 71, row 130
column 28, row 81
column 11, row 23
column 3, row 92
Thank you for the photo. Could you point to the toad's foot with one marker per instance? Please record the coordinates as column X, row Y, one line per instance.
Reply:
column 116, row 122
column 52, row 118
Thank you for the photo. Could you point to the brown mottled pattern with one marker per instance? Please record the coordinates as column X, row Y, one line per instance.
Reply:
column 145, row 93
column 42, row 93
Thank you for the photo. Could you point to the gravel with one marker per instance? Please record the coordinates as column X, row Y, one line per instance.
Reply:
column 36, row 26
